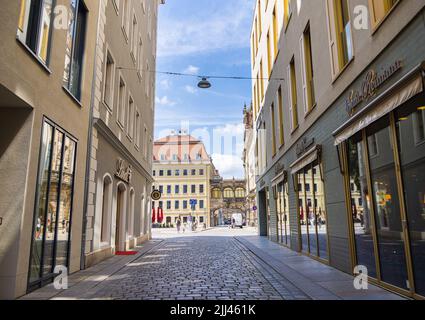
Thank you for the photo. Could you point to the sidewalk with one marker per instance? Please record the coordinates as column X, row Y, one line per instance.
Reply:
column 83, row 284
column 316, row 280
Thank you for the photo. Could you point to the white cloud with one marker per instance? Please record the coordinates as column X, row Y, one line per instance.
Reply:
column 190, row 89
column 165, row 84
column 214, row 30
column 191, row 70
column 164, row 101
column 229, row 166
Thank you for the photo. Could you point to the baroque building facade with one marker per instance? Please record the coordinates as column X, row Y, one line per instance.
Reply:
column 338, row 105
column 228, row 196
column 182, row 171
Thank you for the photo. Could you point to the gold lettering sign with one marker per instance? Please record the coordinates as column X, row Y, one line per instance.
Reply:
column 123, row 172
column 370, row 85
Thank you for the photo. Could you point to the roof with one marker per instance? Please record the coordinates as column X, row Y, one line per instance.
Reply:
column 181, row 147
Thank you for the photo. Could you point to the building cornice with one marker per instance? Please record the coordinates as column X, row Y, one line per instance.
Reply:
column 117, row 144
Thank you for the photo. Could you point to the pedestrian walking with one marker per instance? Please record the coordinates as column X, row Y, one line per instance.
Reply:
column 178, row 223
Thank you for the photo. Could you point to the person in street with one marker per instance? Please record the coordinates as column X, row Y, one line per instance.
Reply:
column 233, row 223
column 178, row 223
column 184, row 227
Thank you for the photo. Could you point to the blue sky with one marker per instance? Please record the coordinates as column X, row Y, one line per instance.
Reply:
column 205, row 37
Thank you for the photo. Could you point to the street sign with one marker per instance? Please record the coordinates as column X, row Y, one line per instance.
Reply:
column 193, row 202
column 156, row 195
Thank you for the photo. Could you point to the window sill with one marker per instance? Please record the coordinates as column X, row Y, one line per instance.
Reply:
column 310, row 111
column 295, row 129
column 124, row 31
column 40, row 62
column 342, row 70
column 108, row 108
column 71, row 95
column 120, row 125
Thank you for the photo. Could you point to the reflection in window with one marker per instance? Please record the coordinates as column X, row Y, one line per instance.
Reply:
column 312, row 210
column 361, row 215
column 412, row 160
column 34, row 27
column 387, row 208
column 75, row 41
column 54, row 203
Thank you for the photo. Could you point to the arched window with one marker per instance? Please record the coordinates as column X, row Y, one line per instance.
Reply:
column 240, row 193
column 228, row 193
column 106, row 209
column 216, row 193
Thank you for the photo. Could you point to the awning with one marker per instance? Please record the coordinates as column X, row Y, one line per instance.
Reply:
column 407, row 87
column 310, row 156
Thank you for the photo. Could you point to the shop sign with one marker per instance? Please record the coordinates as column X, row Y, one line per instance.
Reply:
column 371, row 83
column 303, row 145
column 123, row 172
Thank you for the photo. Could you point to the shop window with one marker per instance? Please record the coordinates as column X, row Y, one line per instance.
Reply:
column 386, row 205
column 312, row 218
column 53, row 208
column 75, row 48
column 361, row 215
column 379, row 9
column 412, row 161
column 282, row 212
column 340, row 37
column 35, row 26
column 130, row 215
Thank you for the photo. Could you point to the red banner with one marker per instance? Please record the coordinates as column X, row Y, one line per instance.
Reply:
column 153, row 215
column 160, row 215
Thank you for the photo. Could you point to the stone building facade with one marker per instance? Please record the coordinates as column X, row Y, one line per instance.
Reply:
column 182, row 170
column 339, row 108
column 45, row 96
column 120, row 154
column 228, row 196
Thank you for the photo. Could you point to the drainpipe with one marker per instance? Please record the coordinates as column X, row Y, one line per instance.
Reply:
column 89, row 144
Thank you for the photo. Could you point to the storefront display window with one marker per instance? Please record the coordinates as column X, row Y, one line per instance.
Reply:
column 312, row 211
column 52, row 220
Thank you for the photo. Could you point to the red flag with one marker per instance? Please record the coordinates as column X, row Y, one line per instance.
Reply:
column 153, row 215
column 160, row 215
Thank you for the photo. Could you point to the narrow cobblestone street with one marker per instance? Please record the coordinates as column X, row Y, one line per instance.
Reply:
column 216, row 264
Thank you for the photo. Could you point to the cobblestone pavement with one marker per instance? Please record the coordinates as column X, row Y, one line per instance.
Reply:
column 193, row 268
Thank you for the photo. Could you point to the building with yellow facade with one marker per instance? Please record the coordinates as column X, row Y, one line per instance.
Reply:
column 182, row 170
